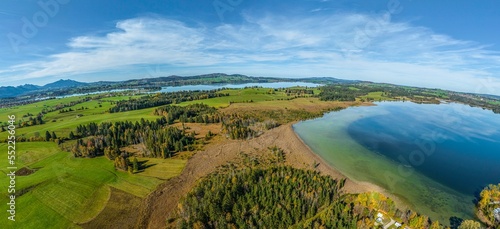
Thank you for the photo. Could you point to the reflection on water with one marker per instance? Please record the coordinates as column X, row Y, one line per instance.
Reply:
column 436, row 157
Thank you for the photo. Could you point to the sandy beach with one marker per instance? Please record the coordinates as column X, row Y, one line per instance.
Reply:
column 160, row 204
column 351, row 186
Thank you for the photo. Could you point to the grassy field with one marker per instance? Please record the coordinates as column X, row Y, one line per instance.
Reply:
column 495, row 102
column 65, row 191
column 35, row 108
column 63, row 123
column 243, row 96
column 376, row 96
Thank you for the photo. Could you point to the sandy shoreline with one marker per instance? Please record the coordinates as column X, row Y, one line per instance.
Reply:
column 163, row 202
column 308, row 154
column 351, row 185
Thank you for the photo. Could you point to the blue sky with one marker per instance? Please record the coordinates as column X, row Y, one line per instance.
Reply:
column 439, row 44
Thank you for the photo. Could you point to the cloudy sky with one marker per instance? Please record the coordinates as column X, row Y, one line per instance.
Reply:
column 439, row 44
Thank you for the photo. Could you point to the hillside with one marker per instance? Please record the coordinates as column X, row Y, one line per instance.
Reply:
column 66, row 87
column 63, row 84
column 10, row 91
column 151, row 149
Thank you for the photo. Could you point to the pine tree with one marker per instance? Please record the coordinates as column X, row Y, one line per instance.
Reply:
column 47, row 136
column 135, row 165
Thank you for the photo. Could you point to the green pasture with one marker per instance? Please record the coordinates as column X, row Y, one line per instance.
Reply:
column 63, row 123
column 35, row 108
column 242, row 96
column 376, row 96
column 65, row 191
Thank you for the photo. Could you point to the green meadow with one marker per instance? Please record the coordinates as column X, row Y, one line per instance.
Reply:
column 376, row 96
column 96, row 110
column 63, row 123
column 65, row 191
column 242, row 96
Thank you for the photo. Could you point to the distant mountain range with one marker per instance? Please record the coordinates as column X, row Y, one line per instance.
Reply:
column 214, row 78
column 11, row 91
column 63, row 83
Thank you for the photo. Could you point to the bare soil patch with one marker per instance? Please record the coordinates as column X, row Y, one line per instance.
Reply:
column 25, row 171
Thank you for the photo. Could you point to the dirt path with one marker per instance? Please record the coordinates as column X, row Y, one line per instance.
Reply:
column 160, row 204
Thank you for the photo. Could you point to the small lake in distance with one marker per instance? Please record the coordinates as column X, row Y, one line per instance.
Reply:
column 201, row 87
column 435, row 157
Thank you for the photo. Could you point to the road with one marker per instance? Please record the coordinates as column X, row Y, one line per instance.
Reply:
column 389, row 224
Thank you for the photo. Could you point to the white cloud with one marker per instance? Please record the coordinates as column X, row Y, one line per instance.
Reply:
column 353, row 46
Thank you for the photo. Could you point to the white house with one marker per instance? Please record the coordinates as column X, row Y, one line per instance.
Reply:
column 380, row 217
column 496, row 214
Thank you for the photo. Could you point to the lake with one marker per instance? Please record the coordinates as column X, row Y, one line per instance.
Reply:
column 201, row 87
column 434, row 157
column 219, row 86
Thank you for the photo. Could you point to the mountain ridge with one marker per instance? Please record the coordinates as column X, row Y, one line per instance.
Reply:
column 22, row 90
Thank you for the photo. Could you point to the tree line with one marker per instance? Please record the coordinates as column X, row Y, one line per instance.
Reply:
column 194, row 113
column 284, row 197
column 489, row 200
column 277, row 197
column 157, row 138
column 342, row 92
column 476, row 101
column 349, row 92
column 160, row 99
column 238, row 127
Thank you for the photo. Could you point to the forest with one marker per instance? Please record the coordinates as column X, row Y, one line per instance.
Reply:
column 160, row 99
column 284, row 197
column 193, row 113
column 239, row 126
column 343, row 92
column 351, row 92
column 159, row 139
column 264, row 198
column 111, row 133
column 488, row 204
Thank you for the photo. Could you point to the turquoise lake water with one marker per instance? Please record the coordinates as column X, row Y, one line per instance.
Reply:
column 434, row 157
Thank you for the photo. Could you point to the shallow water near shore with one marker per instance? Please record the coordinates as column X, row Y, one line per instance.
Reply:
column 436, row 158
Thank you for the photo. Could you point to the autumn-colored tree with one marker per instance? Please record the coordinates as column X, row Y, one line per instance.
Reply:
column 489, row 200
column 469, row 224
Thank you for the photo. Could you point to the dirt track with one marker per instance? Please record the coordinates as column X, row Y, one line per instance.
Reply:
column 160, row 204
